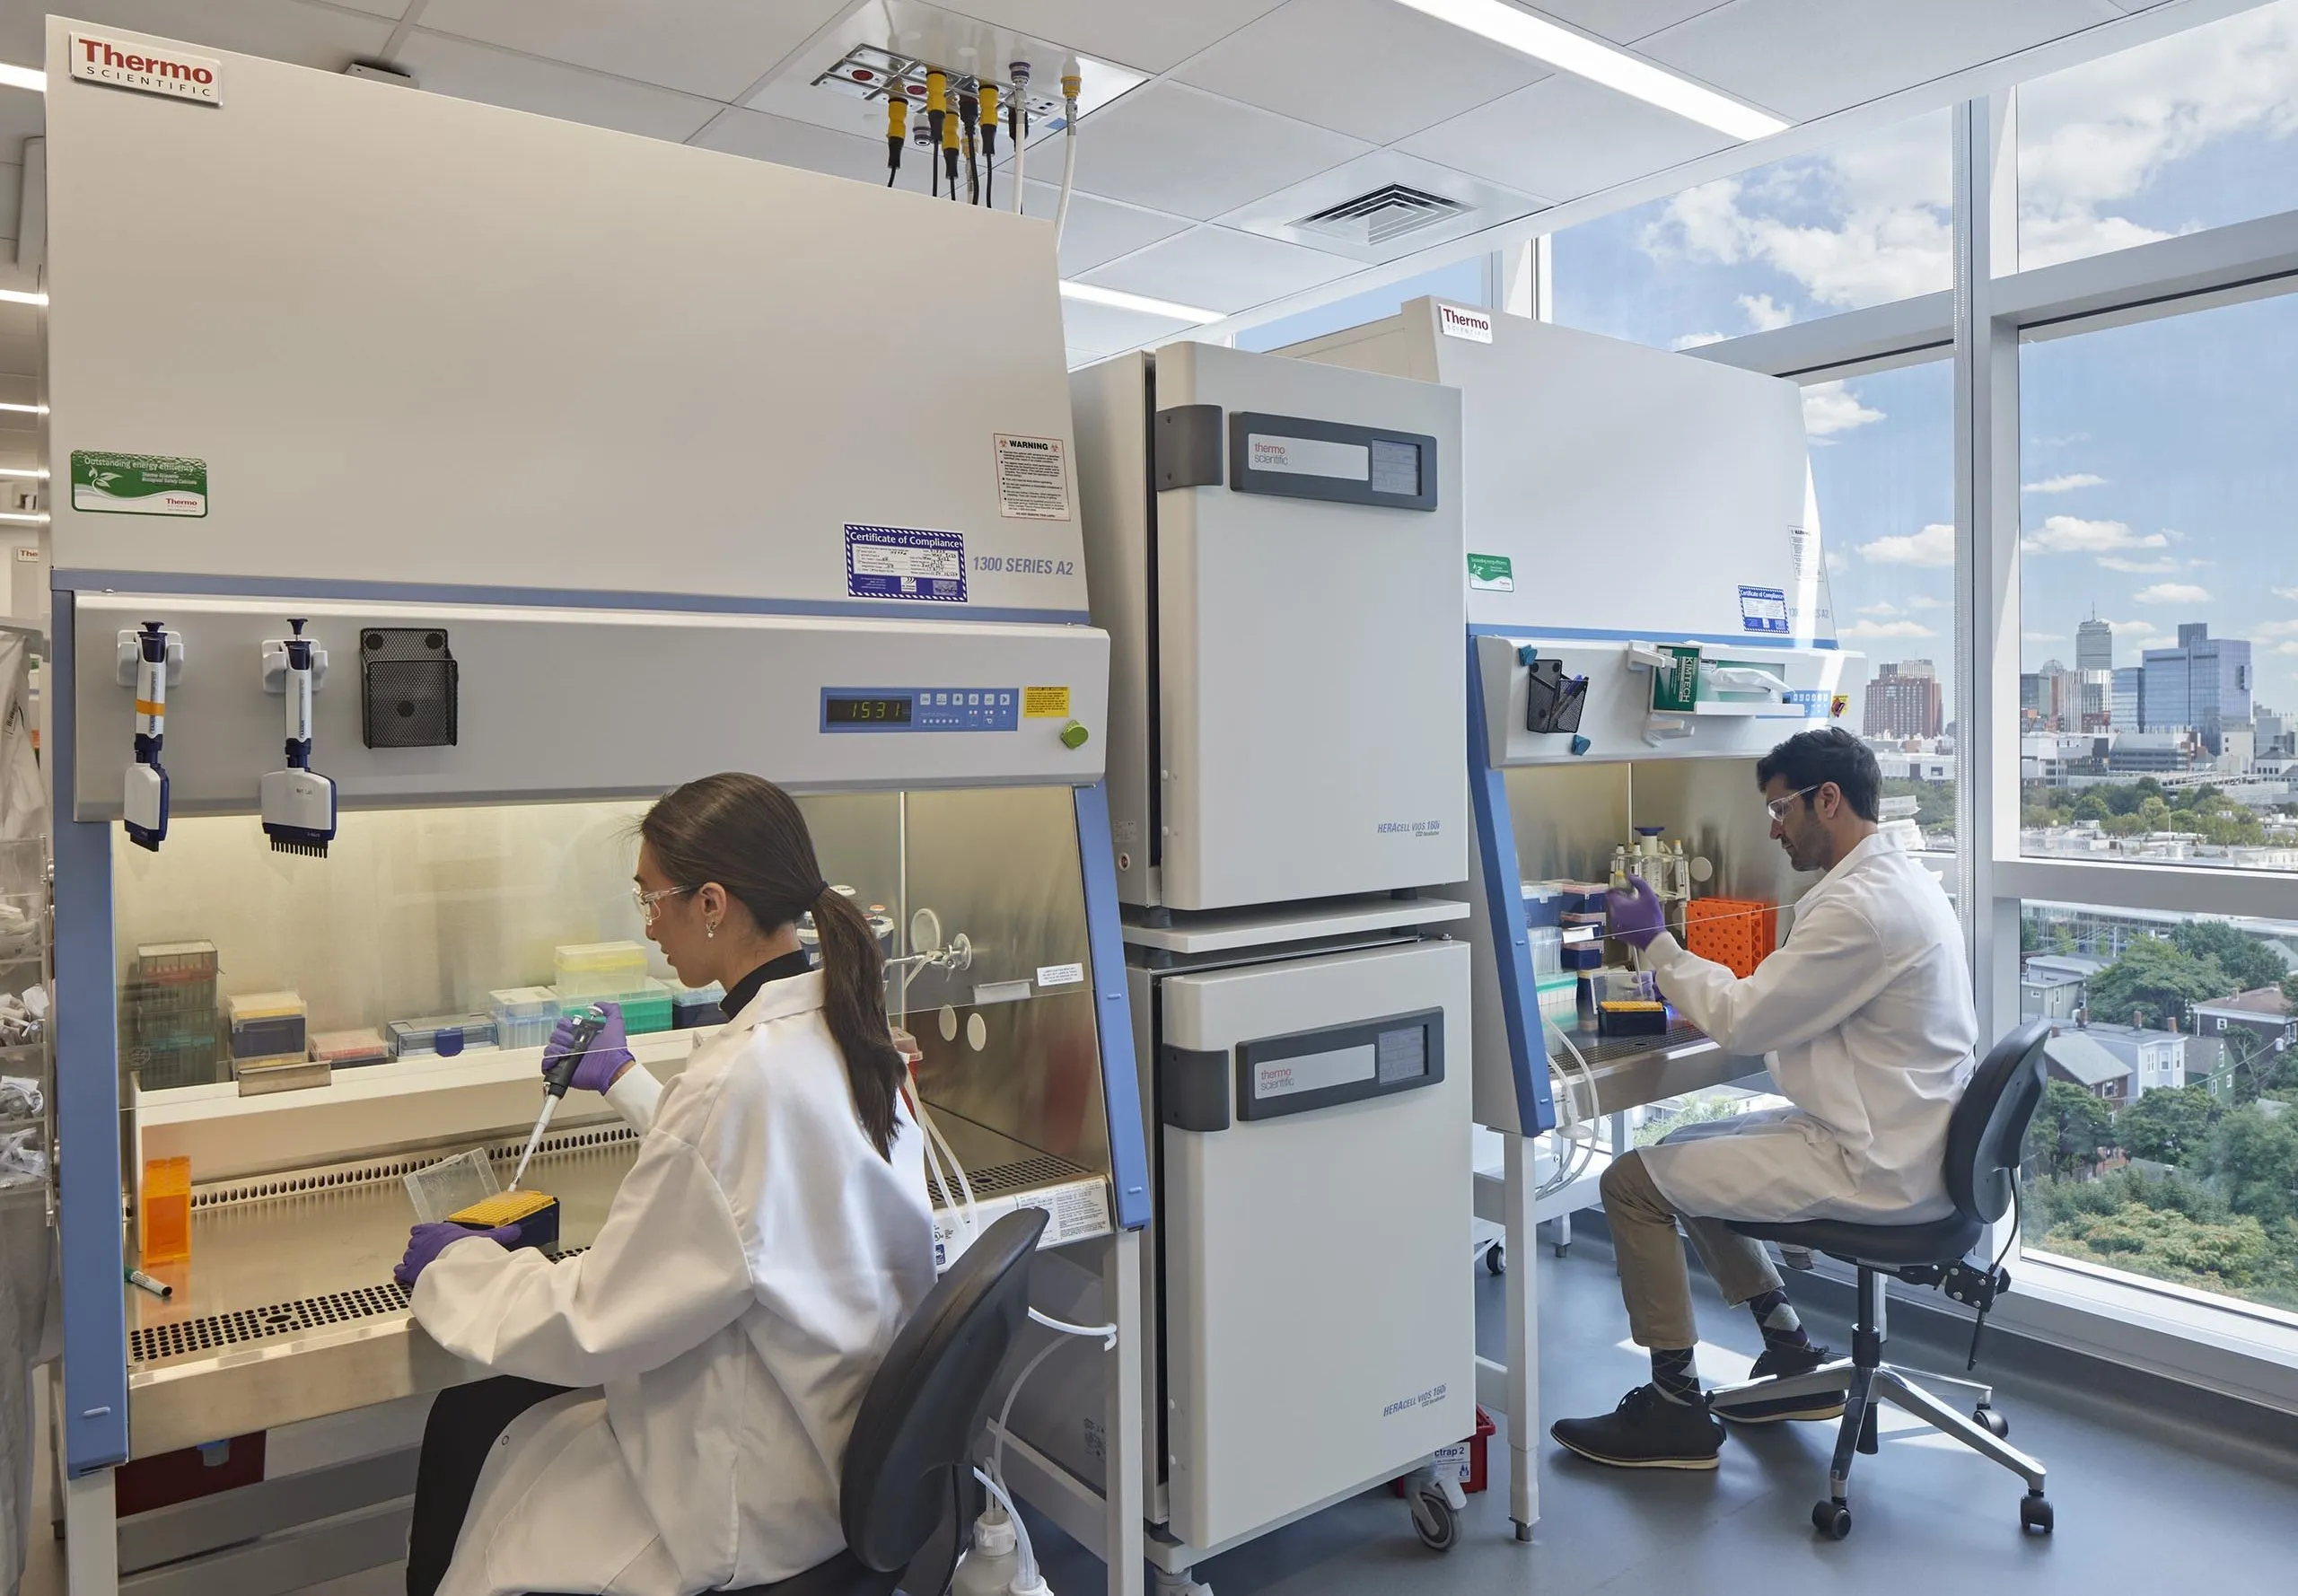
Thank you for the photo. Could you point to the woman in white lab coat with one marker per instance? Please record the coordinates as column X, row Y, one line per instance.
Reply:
column 680, row 1394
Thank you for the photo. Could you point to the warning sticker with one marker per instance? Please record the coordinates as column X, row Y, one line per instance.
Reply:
column 1060, row 975
column 138, row 484
column 1045, row 704
column 891, row 562
column 1032, row 478
column 1763, row 610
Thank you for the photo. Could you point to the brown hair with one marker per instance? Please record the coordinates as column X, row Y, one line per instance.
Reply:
column 747, row 835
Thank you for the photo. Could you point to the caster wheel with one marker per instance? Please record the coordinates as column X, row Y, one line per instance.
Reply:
column 1562, row 1249
column 1434, row 1519
column 1496, row 1258
column 1992, row 1422
column 2036, row 1517
column 1832, row 1519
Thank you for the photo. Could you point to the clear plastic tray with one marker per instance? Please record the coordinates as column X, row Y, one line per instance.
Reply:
column 451, row 1185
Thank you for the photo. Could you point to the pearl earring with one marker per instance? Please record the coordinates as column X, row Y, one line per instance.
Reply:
column 710, row 931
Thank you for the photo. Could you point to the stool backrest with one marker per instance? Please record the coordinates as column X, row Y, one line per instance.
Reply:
column 913, row 1438
column 1990, row 1123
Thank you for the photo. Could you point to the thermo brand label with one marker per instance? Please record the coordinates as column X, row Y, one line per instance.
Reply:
column 1475, row 326
column 138, row 484
column 122, row 61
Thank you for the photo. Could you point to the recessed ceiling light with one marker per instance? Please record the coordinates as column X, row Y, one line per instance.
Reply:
column 17, row 296
column 26, row 409
column 30, row 520
column 1582, row 56
column 1089, row 294
column 32, row 471
column 23, row 77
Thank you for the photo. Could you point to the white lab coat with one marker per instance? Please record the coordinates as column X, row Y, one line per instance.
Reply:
column 1865, row 1014
column 754, row 1269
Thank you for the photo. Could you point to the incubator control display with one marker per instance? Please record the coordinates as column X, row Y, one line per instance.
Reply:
column 921, row 709
column 1302, row 457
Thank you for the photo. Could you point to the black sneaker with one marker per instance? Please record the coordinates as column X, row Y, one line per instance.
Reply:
column 1786, row 1359
column 1646, row 1431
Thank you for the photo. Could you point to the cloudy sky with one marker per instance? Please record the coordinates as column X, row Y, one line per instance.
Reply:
column 2157, row 459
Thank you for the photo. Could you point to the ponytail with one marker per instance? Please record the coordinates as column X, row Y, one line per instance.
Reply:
column 854, row 1003
column 747, row 835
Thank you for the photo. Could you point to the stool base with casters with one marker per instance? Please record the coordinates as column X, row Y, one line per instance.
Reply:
column 1983, row 1145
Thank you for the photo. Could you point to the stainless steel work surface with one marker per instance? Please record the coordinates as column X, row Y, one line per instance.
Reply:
column 1633, row 1071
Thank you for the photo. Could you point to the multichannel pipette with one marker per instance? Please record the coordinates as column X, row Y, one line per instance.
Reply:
column 555, row 1084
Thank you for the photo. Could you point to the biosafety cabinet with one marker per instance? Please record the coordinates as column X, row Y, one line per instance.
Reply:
column 1275, row 550
column 579, row 515
column 1647, row 614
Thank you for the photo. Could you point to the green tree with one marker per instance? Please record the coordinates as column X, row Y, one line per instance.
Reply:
column 2169, row 1125
column 2249, row 963
column 2152, row 983
column 2090, row 806
column 2070, row 1125
column 2290, row 989
column 2254, row 1155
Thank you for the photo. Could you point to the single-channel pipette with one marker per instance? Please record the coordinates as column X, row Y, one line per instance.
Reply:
column 555, row 1084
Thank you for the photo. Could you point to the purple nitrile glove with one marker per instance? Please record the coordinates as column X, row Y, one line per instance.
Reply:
column 1634, row 914
column 609, row 1053
column 425, row 1242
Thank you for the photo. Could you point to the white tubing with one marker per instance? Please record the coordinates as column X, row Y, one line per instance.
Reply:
column 1104, row 1333
column 1029, row 1571
column 1068, row 172
column 1021, row 144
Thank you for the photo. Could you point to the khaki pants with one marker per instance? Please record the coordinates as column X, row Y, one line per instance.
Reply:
column 1652, row 1279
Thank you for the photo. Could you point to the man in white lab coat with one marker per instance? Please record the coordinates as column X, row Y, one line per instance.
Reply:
column 1865, row 1016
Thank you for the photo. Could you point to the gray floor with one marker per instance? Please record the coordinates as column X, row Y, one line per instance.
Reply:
column 2144, row 1506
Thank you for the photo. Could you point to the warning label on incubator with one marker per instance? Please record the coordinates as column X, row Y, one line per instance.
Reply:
column 1060, row 975
column 888, row 562
column 1492, row 572
column 1032, row 479
column 138, row 484
column 1045, row 704
column 1763, row 610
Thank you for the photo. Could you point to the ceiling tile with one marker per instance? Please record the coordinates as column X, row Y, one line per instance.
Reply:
column 1562, row 137
column 1218, row 268
column 785, row 143
column 1174, row 149
column 12, row 196
column 1154, row 35
column 1097, row 231
column 1623, row 21
column 468, row 71
column 1805, row 58
column 319, row 36
column 717, row 48
column 1306, row 60
column 19, row 339
column 1097, row 331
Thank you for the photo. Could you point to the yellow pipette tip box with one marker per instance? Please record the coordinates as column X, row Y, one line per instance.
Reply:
column 535, row 1213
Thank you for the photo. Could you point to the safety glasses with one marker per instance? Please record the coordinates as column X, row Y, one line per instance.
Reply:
column 1777, row 807
column 646, row 902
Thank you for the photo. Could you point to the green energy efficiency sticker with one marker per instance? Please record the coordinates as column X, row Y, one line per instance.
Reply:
column 138, row 484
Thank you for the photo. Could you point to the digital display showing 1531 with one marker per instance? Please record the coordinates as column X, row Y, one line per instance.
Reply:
column 857, row 712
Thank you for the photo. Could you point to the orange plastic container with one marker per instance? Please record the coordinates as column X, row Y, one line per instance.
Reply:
column 1736, row 932
column 164, row 1215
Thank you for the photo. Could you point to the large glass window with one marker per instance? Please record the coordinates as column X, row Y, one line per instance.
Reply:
column 2167, row 1143
column 2192, row 131
column 1883, row 471
column 2159, row 686
column 1864, row 223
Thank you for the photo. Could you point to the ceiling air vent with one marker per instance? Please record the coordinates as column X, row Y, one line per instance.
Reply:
column 1385, row 214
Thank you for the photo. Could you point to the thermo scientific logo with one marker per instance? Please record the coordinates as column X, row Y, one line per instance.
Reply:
column 1464, row 324
column 149, row 69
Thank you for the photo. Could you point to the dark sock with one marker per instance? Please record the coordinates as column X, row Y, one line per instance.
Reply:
column 1782, row 1330
column 1673, row 1374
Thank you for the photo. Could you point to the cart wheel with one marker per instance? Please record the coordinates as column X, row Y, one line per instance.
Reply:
column 1831, row 1519
column 1496, row 1257
column 1992, row 1422
column 2035, row 1515
column 1562, row 1249
column 1433, row 1518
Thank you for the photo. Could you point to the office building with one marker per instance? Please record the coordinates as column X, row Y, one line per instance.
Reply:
column 1903, row 700
column 2202, row 682
column 2094, row 645
column 2127, row 709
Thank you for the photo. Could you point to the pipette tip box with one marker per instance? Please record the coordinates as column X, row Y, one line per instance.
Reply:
column 535, row 1213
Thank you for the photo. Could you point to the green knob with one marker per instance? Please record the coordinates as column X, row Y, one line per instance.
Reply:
column 1073, row 735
